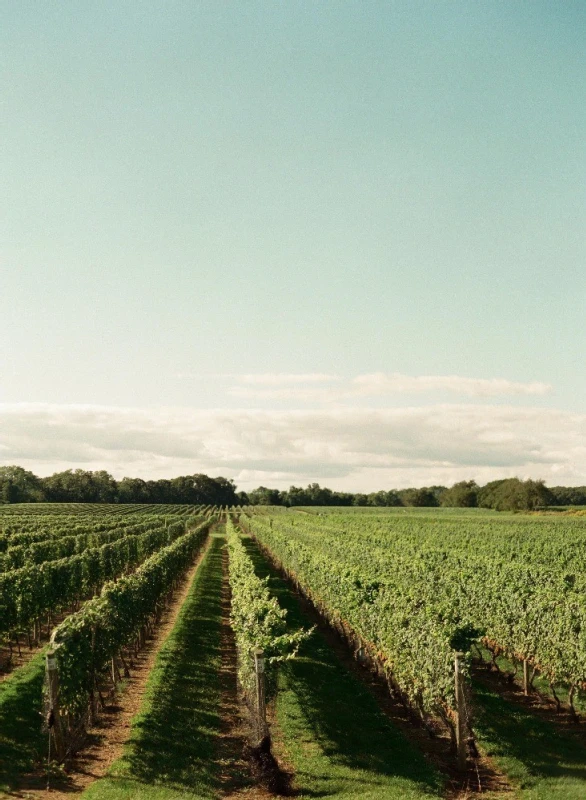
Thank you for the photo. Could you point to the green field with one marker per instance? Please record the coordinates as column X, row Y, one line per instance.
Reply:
column 405, row 588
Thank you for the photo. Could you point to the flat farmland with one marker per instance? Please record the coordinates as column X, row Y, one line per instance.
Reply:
column 431, row 653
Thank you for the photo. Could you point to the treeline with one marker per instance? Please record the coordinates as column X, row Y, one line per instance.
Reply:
column 18, row 485
column 508, row 494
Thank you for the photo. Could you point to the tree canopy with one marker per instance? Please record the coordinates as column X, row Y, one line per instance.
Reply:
column 18, row 485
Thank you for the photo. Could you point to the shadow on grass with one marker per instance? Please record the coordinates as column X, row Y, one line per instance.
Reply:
column 174, row 737
column 22, row 742
column 331, row 714
column 530, row 748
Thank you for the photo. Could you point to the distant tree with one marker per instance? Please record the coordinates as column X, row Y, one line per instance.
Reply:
column 133, row 490
column 342, row 498
column 206, row 491
column 376, row 499
column 438, row 492
column 383, row 498
column 568, row 495
column 10, row 492
column 18, row 485
column 319, row 496
column 265, row 497
column 512, row 494
column 225, row 492
column 296, row 496
column 461, row 495
column 393, row 498
column 81, row 486
column 536, row 495
column 420, row 498
column 105, row 487
column 159, row 491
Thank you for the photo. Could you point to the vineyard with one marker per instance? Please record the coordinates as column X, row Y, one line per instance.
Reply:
column 319, row 652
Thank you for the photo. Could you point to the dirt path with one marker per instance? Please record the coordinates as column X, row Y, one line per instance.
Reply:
column 106, row 739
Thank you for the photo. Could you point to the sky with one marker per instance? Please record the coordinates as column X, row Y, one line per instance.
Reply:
column 288, row 242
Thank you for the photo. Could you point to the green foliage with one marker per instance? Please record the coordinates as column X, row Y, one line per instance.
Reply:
column 80, row 486
column 88, row 639
column 513, row 494
column 51, row 581
column 461, row 495
column 22, row 742
column 419, row 497
column 415, row 587
column 17, row 485
column 257, row 619
column 568, row 495
column 541, row 762
column 396, row 606
column 265, row 497
column 332, row 729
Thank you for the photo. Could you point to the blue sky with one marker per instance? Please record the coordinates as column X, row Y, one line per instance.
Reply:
column 294, row 241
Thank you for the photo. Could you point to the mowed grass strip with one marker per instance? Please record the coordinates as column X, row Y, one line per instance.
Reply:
column 540, row 762
column 330, row 728
column 22, row 742
column 173, row 742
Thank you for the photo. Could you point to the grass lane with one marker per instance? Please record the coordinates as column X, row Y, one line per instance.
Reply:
column 172, row 747
column 22, row 742
column 540, row 683
column 539, row 761
column 331, row 730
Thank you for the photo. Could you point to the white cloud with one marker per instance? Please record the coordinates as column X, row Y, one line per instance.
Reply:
column 298, row 387
column 351, row 448
column 288, row 378
column 381, row 383
column 302, row 394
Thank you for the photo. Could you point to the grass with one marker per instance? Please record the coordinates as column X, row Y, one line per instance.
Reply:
column 173, row 742
column 540, row 683
column 540, row 762
column 331, row 730
column 22, row 742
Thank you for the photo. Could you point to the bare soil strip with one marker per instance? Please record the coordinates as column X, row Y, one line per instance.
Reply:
column 105, row 741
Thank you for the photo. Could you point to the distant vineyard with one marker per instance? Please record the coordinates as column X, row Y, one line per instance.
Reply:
column 52, row 561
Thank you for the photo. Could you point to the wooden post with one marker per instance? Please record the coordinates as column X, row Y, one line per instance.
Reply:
column 53, row 716
column 261, row 711
column 460, row 713
column 525, row 677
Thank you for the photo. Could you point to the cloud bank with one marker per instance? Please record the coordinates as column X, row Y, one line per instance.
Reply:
column 360, row 449
column 314, row 387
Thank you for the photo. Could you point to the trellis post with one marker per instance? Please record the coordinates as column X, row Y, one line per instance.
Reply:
column 54, row 722
column 460, row 712
column 261, row 711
